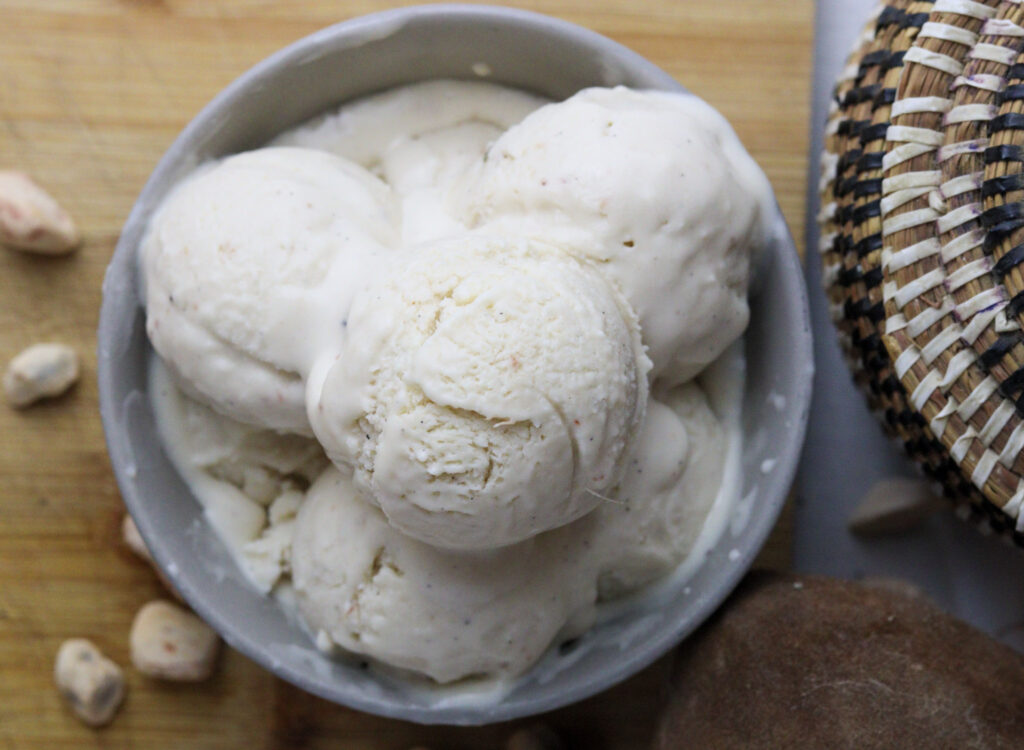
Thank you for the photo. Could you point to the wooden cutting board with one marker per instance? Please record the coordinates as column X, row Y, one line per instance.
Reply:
column 91, row 94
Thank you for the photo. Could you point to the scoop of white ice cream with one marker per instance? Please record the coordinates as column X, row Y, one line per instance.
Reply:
column 489, row 389
column 364, row 586
column 249, row 266
column 368, row 130
column 665, row 496
column 656, row 187
column 420, row 139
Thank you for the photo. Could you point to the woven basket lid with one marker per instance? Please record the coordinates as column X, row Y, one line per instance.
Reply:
column 922, row 236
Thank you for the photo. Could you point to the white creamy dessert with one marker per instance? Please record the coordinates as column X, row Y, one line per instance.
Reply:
column 490, row 391
column 407, row 360
column 229, row 281
column 655, row 188
column 442, row 613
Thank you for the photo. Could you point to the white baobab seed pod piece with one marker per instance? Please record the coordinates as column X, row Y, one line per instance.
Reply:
column 91, row 683
column 31, row 220
column 538, row 737
column 41, row 371
column 893, row 506
column 133, row 539
column 172, row 644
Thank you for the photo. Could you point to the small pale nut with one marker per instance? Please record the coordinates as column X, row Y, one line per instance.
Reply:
column 133, row 539
column 537, row 737
column 41, row 371
column 31, row 220
column 171, row 644
column 92, row 684
column 893, row 506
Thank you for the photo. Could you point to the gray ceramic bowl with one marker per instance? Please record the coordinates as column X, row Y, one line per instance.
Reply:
column 317, row 73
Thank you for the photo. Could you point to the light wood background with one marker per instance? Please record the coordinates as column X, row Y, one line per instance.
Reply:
column 91, row 94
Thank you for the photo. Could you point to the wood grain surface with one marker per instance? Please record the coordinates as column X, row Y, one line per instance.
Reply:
column 91, row 94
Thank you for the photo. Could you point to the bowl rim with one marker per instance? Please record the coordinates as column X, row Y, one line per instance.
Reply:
column 776, row 486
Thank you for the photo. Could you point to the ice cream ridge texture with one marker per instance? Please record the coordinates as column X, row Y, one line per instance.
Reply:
column 436, row 364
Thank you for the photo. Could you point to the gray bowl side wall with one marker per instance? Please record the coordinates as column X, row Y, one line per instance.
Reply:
column 318, row 73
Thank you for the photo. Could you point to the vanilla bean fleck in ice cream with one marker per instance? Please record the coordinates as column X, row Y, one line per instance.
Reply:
column 433, row 363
